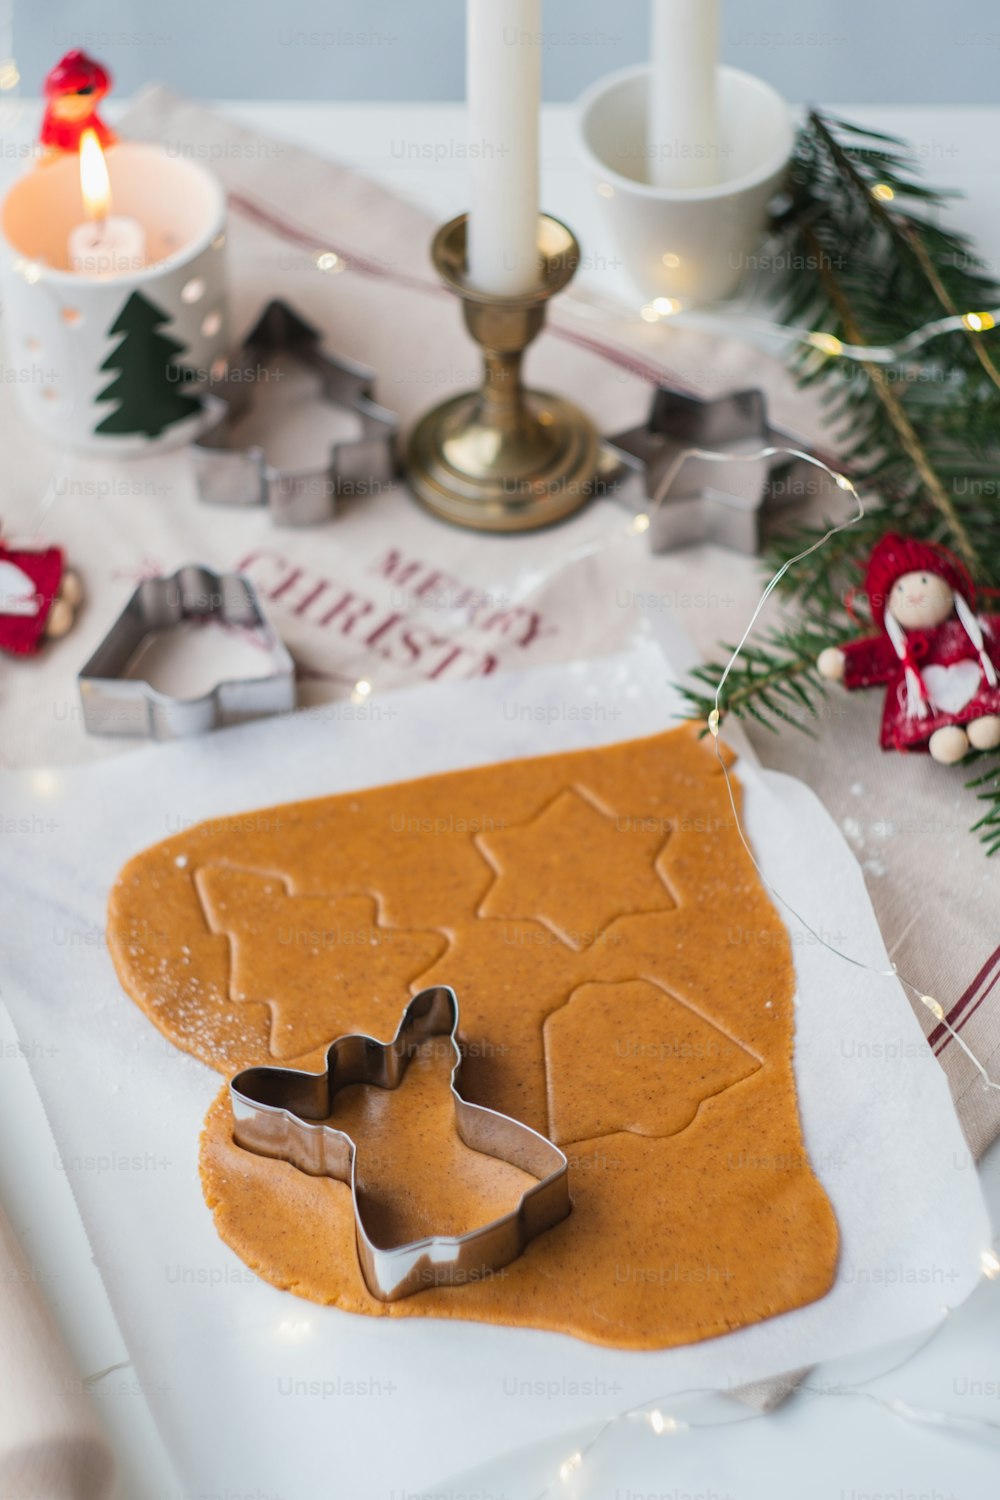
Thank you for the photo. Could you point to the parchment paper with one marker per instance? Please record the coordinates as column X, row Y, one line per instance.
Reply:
column 259, row 1394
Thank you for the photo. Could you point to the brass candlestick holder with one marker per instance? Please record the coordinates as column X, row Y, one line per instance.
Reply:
column 504, row 458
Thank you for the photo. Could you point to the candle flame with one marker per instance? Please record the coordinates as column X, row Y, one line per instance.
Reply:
column 95, row 185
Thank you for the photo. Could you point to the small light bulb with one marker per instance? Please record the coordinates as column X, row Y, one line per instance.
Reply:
column 714, row 720
column 665, row 307
column 934, row 1006
column 980, row 322
column 648, row 314
column 671, row 261
column 883, row 192
column 328, row 260
column 641, row 522
column 569, row 1467
column 826, row 343
column 991, row 1264
column 844, row 483
column 293, row 1330
column 605, row 190
column 9, row 75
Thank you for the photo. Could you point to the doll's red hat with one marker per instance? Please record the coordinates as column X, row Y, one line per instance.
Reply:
column 894, row 556
column 77, row 73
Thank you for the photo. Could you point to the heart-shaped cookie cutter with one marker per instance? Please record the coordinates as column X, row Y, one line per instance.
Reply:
column 285, row 1114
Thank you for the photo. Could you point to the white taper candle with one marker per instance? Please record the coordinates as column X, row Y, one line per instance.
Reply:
column 504, row 94
column 683, row 109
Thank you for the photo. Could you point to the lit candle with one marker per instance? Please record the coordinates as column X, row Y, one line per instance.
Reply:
column 106, row 244
column 683, row 110
column 504, row 92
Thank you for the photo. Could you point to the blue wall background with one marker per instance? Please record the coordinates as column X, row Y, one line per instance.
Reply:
column 917, row 51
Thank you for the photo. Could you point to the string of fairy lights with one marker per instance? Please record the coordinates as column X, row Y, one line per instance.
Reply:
column 653, row 1417
column 662, row 308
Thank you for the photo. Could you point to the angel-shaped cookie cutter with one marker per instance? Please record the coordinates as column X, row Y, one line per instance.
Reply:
column 228, row 475
column 117, row 704
column 700, row 499
column 284, row 1114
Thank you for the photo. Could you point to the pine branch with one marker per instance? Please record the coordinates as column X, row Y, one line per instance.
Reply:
column 987, row 788
column 774, row 681
column 905, row 430
column 906, row 235
column 923, row 435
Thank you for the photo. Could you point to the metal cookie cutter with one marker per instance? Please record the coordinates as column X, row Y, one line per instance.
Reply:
column 116, row 704
column 284, row 1114
column 243, row 476
column 701, row 500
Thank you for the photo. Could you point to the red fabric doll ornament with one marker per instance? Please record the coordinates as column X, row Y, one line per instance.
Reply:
column 73, row 90
column 39, row 596
column 939, row 660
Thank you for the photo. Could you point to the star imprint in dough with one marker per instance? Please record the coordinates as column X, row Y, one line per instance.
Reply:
column 575, row 868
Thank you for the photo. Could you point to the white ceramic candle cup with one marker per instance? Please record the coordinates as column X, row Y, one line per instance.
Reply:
column 111, row 363
column 693, row 244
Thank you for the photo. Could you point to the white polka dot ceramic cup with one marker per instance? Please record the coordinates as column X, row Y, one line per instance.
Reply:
column 692, row 244
column 108, row 358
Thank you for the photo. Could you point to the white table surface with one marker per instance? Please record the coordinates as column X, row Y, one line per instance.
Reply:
column 846, row 1447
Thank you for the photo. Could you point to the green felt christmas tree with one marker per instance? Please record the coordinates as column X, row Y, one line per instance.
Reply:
column 149, row 383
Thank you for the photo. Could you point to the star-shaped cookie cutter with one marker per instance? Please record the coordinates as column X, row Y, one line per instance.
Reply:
column 700, row 500
column 227, row 475
column 281, row 1113
column 117, row 704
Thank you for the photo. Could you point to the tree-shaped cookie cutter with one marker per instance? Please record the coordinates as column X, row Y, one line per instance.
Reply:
column 242, row 476
column 281, row 1113
column 116, row 704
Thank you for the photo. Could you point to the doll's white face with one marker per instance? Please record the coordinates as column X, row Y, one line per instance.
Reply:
column 919, row 601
